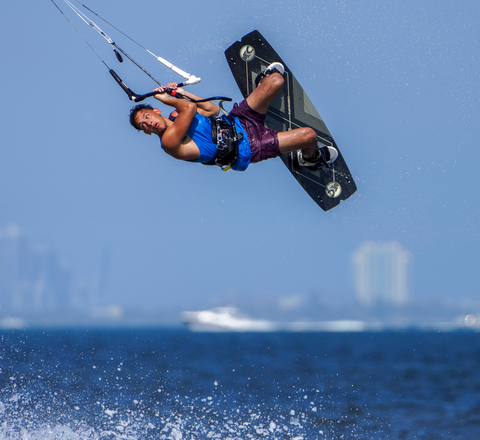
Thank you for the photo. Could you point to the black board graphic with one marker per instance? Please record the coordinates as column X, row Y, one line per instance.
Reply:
column 291, row 109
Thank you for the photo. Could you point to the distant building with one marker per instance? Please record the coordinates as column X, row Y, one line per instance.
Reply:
column 381, row 273
column 31, row 278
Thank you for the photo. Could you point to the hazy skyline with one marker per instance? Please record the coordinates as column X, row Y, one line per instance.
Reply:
column 38, row 288
column 398, row 85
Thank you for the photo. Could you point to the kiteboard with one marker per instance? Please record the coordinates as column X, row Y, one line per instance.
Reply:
column 289, row 110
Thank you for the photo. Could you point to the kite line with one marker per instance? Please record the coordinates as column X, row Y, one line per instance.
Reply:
column 189, row 79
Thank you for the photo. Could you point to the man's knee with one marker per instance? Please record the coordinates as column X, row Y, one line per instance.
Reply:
column 276, row 79
column 310, row 136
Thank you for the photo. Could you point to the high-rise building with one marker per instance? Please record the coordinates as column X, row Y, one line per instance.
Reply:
column 381, row 273
column 31, row 278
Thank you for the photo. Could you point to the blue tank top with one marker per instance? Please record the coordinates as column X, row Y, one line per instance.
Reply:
column 201, row 132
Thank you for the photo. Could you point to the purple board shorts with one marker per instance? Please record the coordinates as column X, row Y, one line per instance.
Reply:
column 263, row 141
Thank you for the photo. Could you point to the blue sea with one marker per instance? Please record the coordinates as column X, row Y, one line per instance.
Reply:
column 173, row 384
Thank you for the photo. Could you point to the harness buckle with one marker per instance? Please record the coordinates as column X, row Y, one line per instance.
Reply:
column 225, row 137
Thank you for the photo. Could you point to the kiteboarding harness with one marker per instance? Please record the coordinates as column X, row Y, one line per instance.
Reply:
column 225, row 136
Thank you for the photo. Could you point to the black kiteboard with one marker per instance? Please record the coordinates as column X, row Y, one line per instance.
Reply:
column 289, row 110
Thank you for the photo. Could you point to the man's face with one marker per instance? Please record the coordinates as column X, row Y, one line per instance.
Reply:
column 151, row 121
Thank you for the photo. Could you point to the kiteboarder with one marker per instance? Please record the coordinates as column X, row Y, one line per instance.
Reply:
column 200, row 132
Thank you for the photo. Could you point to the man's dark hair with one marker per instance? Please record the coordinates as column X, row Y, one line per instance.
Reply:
column 135, row 110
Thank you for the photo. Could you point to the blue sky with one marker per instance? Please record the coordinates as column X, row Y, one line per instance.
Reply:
column 396, row 82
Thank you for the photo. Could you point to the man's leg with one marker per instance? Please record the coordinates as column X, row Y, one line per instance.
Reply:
column 304, row 138
column 260, row 99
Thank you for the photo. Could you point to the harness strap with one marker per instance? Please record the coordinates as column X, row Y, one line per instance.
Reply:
column 225, row 136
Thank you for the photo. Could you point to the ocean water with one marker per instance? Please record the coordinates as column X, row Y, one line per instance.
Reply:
column 172, row 384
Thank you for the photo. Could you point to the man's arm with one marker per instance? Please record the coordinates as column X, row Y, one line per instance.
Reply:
column 173, row 139
column 204, row 108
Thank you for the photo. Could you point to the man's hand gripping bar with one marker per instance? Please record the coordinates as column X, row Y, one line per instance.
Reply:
column 137, row 98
